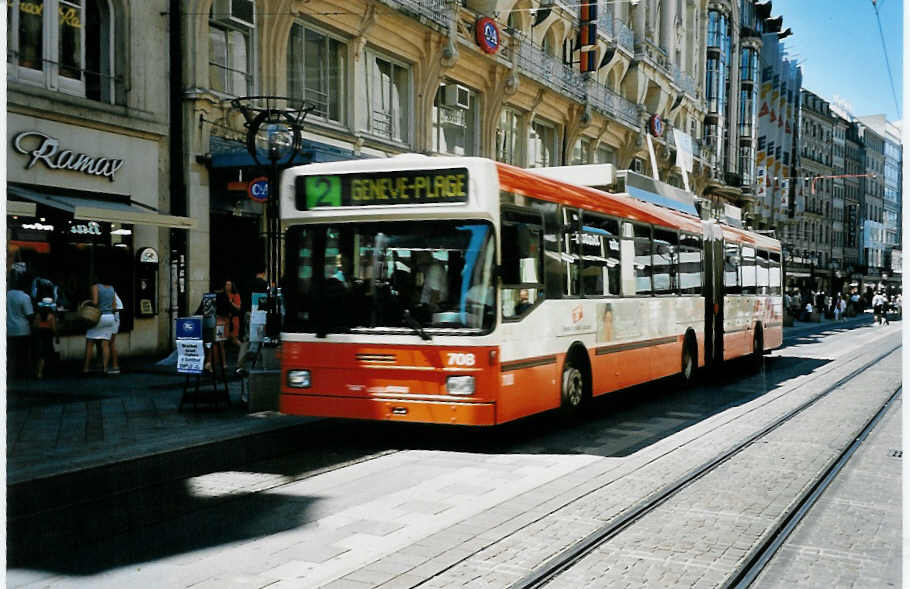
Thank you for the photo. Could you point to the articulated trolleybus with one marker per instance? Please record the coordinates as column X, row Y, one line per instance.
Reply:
column 467, row 291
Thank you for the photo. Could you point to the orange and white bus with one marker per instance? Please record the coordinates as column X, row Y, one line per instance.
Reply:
column 467, row 291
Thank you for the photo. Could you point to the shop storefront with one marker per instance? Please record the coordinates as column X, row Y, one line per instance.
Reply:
column 83, row 204
column 237, row 197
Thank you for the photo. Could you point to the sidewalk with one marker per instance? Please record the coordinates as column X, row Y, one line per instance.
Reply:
column 86, row 431
column 68, row 422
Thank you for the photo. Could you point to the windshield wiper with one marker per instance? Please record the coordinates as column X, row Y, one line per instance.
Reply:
column 413, row 324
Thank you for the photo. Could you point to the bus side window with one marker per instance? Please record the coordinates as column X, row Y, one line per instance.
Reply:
column 571, row 258
column 761, row 276
column 774, row 274
column 635, row 252
column 690, row 264
column 731, row 269
column 666, row 260
column 747, row 270
column 554, row 270
column 600, row 256
column 521, row 268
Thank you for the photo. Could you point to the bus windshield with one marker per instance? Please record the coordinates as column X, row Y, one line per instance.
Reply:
column 368, row 277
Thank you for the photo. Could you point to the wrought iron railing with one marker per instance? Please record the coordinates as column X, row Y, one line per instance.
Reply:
column 683, row 80
column 623, row 35
column 381, row 124
column 552, row 72
column 612, row 104
column 435, row 11
column 616, row 30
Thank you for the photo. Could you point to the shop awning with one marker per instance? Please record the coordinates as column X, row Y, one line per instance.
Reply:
column 17, row 207
column 92, row 209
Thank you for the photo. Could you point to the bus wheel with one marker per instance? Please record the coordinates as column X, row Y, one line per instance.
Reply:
column 687, row 374
column 573, row 387
column 758, row 350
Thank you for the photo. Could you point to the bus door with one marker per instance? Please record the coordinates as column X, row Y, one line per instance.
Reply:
column 714, row 294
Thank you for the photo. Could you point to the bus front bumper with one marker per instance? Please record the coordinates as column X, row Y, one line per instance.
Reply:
column 410, row 410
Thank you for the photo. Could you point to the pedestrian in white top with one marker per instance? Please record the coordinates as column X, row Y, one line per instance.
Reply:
column 19, row 315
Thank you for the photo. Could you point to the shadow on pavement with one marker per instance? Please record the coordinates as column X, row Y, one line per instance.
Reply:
column 171, row 519
column 142, row 539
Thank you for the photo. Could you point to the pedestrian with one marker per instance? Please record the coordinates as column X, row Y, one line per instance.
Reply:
column 877, row 302
column 841, row 307
column 115, row 357
column 231, row 305
column 103, row 295
column 854, row 304
column 19, row 315
column 45, row 332
column 885, row 309
column 807, row 312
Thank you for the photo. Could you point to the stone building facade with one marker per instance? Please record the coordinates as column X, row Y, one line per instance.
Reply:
column 395, row 76
column 88, row 161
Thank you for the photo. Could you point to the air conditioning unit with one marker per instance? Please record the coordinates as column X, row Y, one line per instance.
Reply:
column 235, row 12
column 456, row 96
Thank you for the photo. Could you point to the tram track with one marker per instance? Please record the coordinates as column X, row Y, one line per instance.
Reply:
column 562, row 562
column 750, row 570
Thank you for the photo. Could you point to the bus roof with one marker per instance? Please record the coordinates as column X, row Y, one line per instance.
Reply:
column 535, row 185
column 527, row 183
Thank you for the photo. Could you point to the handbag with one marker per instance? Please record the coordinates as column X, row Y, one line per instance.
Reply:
column 88, row 312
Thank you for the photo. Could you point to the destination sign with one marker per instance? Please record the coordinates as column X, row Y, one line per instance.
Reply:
column 401, row 187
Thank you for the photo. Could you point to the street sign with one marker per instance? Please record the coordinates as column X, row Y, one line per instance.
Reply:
column 190, row 350
column 258, row 189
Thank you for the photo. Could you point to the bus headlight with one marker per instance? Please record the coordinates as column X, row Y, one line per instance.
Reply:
column 460, row 385
column 299, row 379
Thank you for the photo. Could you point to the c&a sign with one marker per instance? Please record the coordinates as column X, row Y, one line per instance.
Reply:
column 46, row 149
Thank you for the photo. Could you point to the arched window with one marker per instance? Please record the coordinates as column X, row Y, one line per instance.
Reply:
column 63, row 45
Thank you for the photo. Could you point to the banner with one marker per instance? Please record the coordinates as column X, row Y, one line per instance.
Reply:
column 683, row 150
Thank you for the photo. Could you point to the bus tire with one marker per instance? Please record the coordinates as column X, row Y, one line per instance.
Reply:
column 758, row 350
column 689, row 362
column 573, row 387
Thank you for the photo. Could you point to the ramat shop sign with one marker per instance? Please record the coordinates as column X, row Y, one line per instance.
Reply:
column 49, row 153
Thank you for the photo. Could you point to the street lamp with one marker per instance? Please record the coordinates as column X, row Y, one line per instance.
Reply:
column 273, row 140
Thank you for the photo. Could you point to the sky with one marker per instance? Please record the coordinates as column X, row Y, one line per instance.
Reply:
column 839, row 48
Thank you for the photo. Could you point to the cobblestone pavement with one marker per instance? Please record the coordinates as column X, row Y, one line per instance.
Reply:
column 700, row 537
column 462, row 519
column 852, row 535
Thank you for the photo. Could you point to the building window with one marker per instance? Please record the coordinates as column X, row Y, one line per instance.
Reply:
column 230, row 56
column 389, row 98
column 62, row 45
column 542, row 145
column 746, row 112
column 508, row 145
column 605, row 155
column 317, row 65
column 746, row 164
column 455, row 116
column 581, row 153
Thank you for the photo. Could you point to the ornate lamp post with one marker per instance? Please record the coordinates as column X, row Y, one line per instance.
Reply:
column 273, row 140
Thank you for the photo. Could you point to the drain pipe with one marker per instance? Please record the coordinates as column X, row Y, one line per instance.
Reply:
column 178, row 237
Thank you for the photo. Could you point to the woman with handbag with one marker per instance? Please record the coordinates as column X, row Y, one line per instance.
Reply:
column 103, row 297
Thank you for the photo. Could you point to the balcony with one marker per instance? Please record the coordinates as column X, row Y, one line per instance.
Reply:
column 616, row 30
column 550, row 71
column 612, row 104
column 683, row 80
column 433, row 12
